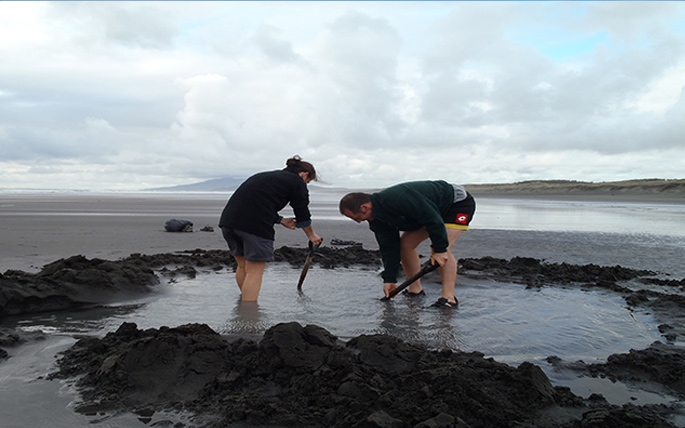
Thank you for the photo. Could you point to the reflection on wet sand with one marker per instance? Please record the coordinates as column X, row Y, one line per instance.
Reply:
column 246, row 319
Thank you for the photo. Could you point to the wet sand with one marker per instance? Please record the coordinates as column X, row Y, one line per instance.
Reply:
column 40, row 228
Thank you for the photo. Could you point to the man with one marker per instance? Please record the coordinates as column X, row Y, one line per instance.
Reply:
column 403, row 216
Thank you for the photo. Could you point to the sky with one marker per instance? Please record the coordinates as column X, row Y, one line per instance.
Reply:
column 135, row 95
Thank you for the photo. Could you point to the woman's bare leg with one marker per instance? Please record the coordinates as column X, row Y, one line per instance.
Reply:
column 240, row 271
column 252, row 280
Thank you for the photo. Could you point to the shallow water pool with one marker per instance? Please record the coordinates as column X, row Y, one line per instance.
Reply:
column 505, row 321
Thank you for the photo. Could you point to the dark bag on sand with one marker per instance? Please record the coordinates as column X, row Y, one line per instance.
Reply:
column 174, row 225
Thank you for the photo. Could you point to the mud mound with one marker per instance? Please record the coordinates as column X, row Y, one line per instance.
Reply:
column 131, row 367
column 659, row 363
column 72, row 283
column 304, row 377
column 327, row 257
column 536, row 273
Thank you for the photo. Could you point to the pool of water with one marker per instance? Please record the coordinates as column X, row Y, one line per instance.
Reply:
column 505, row 321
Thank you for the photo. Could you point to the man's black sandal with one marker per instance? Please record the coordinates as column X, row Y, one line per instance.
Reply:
column 410, row 294
column 444, row 303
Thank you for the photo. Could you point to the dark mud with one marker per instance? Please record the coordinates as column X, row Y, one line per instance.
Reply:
column 303, row 376
column 69, row 284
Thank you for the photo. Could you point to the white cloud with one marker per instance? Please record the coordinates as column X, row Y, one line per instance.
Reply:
column 146, row 94
column 663, row 93
column 22, row 23
column 102, row 23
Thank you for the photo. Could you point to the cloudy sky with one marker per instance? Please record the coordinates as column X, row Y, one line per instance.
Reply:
column 132, row 95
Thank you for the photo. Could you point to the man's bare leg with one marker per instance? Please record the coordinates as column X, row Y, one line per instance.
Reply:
column 448, row 272
column 411, row 263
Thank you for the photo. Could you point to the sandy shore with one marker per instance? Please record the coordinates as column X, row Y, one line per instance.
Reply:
column 40, row 228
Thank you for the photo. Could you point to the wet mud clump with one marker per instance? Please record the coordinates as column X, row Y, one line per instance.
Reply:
column 305, row 377
column 536, row 273
column 72, row 283
column 660, row 363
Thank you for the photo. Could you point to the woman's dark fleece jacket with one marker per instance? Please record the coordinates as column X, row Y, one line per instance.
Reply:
column 254, row 206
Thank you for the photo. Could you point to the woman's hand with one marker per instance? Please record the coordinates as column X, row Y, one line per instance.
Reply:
column 289, row 223
column 316, row 239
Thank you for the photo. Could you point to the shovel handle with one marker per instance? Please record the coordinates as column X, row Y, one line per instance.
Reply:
column 312, row 248
column 425, row 268
column 310, row 254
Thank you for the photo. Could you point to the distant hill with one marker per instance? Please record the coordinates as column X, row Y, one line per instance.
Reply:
column 226, row 184
column 647, row 189
column 638, row 190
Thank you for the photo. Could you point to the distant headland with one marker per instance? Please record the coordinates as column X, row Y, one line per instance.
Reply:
column 642, row 190
column 628, row 190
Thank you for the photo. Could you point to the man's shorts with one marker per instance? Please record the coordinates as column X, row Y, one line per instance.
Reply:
column 460, row 214
column 252, row 247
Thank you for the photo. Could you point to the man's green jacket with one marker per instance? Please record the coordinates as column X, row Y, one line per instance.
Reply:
column 409, row 206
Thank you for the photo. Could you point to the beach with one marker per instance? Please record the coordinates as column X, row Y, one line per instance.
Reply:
column 39, row 228
column 51, row 229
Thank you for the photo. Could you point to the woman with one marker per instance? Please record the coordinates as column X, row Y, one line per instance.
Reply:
column 248, row 219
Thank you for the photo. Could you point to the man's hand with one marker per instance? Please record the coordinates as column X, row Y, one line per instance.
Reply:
column 439, row 258
column 388, row 288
